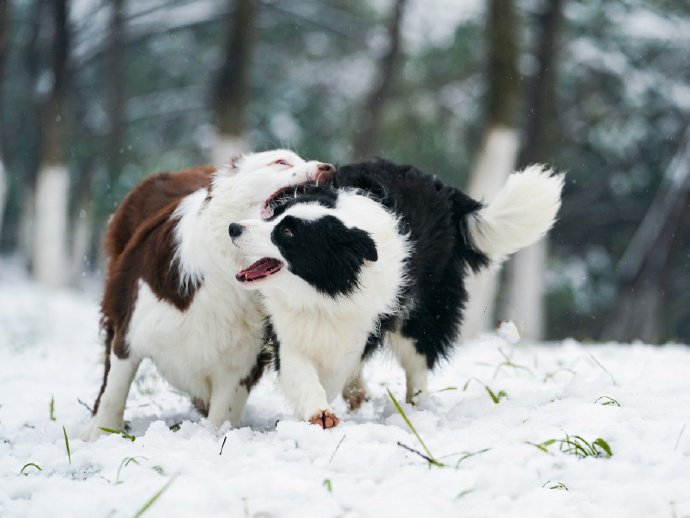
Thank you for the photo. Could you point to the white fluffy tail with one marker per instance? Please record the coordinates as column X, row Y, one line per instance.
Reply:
column 522, row 212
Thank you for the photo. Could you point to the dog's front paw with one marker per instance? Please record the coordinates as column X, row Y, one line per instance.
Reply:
column 325, row 419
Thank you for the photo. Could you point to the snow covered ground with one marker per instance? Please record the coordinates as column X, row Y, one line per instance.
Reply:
column 276, row 466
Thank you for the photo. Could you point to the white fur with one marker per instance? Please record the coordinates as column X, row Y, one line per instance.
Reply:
column 210, row 347
column 413, row 363
column 521, row 213
column 322, row 338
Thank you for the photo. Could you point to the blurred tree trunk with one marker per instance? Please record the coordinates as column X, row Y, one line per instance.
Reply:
column 369, row 127
column 52, row 185
column 231, row 95
column 526, row 270
column 4, row 47
column 82, row 218
column 640, row 309
column 116, row 85
column 25, row 239
column 82, row 221
column 498, row 153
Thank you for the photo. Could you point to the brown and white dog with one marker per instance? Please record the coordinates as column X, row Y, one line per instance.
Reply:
column 170, row 291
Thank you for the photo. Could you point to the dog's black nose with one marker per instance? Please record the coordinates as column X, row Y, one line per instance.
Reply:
column 235, row 230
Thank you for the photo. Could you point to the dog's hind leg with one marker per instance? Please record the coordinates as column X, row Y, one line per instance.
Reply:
column 110, row 407
column 414, row 364
column 355, row 392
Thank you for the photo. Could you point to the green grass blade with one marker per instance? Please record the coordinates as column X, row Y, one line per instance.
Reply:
column 603, row 445
column 328, row 485
column 69, row 453
column 412, row 428
column 126, row 462
column 124, row 434
column 52, row 408
column 155, row 497
column 607, row 401
column 29, row 465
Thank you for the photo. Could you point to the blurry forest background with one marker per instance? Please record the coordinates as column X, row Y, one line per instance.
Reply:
column 97, row 94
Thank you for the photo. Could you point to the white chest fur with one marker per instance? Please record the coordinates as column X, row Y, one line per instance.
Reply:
column 217, row 333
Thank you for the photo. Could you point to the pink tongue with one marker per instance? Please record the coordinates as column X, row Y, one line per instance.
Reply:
column 259, row 269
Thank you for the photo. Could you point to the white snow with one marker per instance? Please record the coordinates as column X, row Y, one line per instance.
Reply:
column 49, row 347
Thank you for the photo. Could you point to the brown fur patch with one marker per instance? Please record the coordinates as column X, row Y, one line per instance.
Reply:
column 139, row 242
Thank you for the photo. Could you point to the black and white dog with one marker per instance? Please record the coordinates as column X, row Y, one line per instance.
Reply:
column 381, row 257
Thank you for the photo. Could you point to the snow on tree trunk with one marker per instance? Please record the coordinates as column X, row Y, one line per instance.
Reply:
column 81, row 242
column 498, row 154
column 50, row 257
column 525, row 284
column 495, row 163
column 50, row 226
column 526, row 289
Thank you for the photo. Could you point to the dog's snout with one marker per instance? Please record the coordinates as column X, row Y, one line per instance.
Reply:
column 325, row 172
column 235, row 230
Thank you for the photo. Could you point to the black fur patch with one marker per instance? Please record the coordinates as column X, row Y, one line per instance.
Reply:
column 312, row 193
column 324, row 252
column 435, row 215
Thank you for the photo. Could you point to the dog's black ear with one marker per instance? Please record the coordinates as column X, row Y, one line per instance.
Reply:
column 362, row 244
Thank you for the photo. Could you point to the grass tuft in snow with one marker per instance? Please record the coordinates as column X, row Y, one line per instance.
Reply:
column 601, row 366
column 28, row 465
column 495, row 396
column 328, row 485
column 126, row 462
column 556, row 485
column 578, row 446
column 468, row 454
column 429, row 456
column 552, row 374
column 155, row 497
column 607, row 401
column 543, row 446
column 509, row 363
column 124, row 434
column 51, row 408
column 69, row 453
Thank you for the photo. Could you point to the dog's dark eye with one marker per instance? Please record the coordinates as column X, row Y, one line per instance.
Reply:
column 282, row 162
column 287, row 232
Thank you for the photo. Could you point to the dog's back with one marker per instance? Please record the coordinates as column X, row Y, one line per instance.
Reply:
column 147, row 198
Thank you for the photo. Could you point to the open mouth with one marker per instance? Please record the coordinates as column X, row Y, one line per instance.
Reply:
column 259, row 270
column 281, row 196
